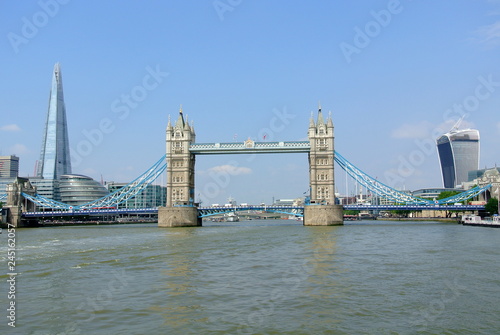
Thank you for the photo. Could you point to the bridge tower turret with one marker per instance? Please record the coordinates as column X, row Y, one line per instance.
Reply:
column 322, row 209
column 180, row 163
column 180, row 210
column 321, row 160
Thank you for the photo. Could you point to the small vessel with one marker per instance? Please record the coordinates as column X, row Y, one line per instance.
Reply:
column 231, row 217
column 476, row 220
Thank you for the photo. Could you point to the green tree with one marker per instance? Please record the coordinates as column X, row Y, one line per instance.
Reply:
column 492, row 206
column 403, row 213
column 447, row 194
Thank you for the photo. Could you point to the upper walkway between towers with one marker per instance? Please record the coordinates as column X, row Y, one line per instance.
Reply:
column 250, row 147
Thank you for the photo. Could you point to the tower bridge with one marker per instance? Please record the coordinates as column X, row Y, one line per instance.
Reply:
column 181, row 151
column 179, row 162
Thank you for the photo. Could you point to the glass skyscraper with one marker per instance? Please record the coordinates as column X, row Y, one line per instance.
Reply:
column 54, row 157
column 458, row 154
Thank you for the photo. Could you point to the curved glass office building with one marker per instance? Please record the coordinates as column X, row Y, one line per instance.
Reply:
column 458, row 154
column 77, row 189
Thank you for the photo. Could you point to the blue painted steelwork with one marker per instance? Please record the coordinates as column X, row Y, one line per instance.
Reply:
column 3, row 197
column 290, row 210
column 46, row 202
column 415, row 207
column 210, row 211
column 47, row 214
column 130, row 190
column 398, row 196
column 121, row 195
column 249, row 147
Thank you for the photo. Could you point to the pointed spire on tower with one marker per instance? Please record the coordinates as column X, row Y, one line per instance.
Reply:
column 320, row 117
column 180, row 119
column 186, row 124
column 311, row 121
column 169, row 124
column 330, row 120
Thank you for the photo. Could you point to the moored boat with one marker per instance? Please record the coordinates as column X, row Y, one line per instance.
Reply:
column 476, row 220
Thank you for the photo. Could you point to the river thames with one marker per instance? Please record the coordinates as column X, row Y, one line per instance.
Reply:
column 256, row 277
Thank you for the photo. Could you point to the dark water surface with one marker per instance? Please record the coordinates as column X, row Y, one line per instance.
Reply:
column 256, row 277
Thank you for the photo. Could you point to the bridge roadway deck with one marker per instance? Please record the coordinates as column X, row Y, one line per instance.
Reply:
column 221, row 210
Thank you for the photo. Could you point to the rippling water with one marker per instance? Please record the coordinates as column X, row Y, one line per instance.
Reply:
column 257, row 277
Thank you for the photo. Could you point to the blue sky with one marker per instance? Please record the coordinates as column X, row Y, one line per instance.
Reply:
column 393, row 73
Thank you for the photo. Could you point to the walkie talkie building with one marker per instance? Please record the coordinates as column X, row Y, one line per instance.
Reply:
column 458, row 154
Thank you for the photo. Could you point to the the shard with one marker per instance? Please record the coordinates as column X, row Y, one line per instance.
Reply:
column 54, row 157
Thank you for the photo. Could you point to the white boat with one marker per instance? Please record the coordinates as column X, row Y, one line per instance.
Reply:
column 231, row 217
column 476, row 220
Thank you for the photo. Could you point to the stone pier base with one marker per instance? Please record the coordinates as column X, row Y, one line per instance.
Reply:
column 323, row 215
column 14, row 216
column 178, row 217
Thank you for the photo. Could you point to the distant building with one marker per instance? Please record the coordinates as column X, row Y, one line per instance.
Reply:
column 151, row 196
column 458, row 154
column 488, row 177
column 54, row 156
column 3, row 184
column 9, row 166
column 475, row 174
column 76, row 189
column 48, row 188
column 284, row 202
column 432, row 193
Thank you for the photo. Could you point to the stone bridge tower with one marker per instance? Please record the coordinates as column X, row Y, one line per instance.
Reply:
column 181, row 211
column 322, row 209
column 180, row 163
column 17, row 204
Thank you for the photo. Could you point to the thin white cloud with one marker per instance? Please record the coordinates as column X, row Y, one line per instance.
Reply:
column 10, row 127
column 488, row 35
column 422, row 129
column 19, row 149
column 427, row 129
column 230, row 169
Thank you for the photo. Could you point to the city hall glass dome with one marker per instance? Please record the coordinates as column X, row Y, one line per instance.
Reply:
column 78, row 189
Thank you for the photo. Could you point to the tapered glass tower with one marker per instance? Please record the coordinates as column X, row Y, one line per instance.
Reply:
column 54, row 157
column 458, row 154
